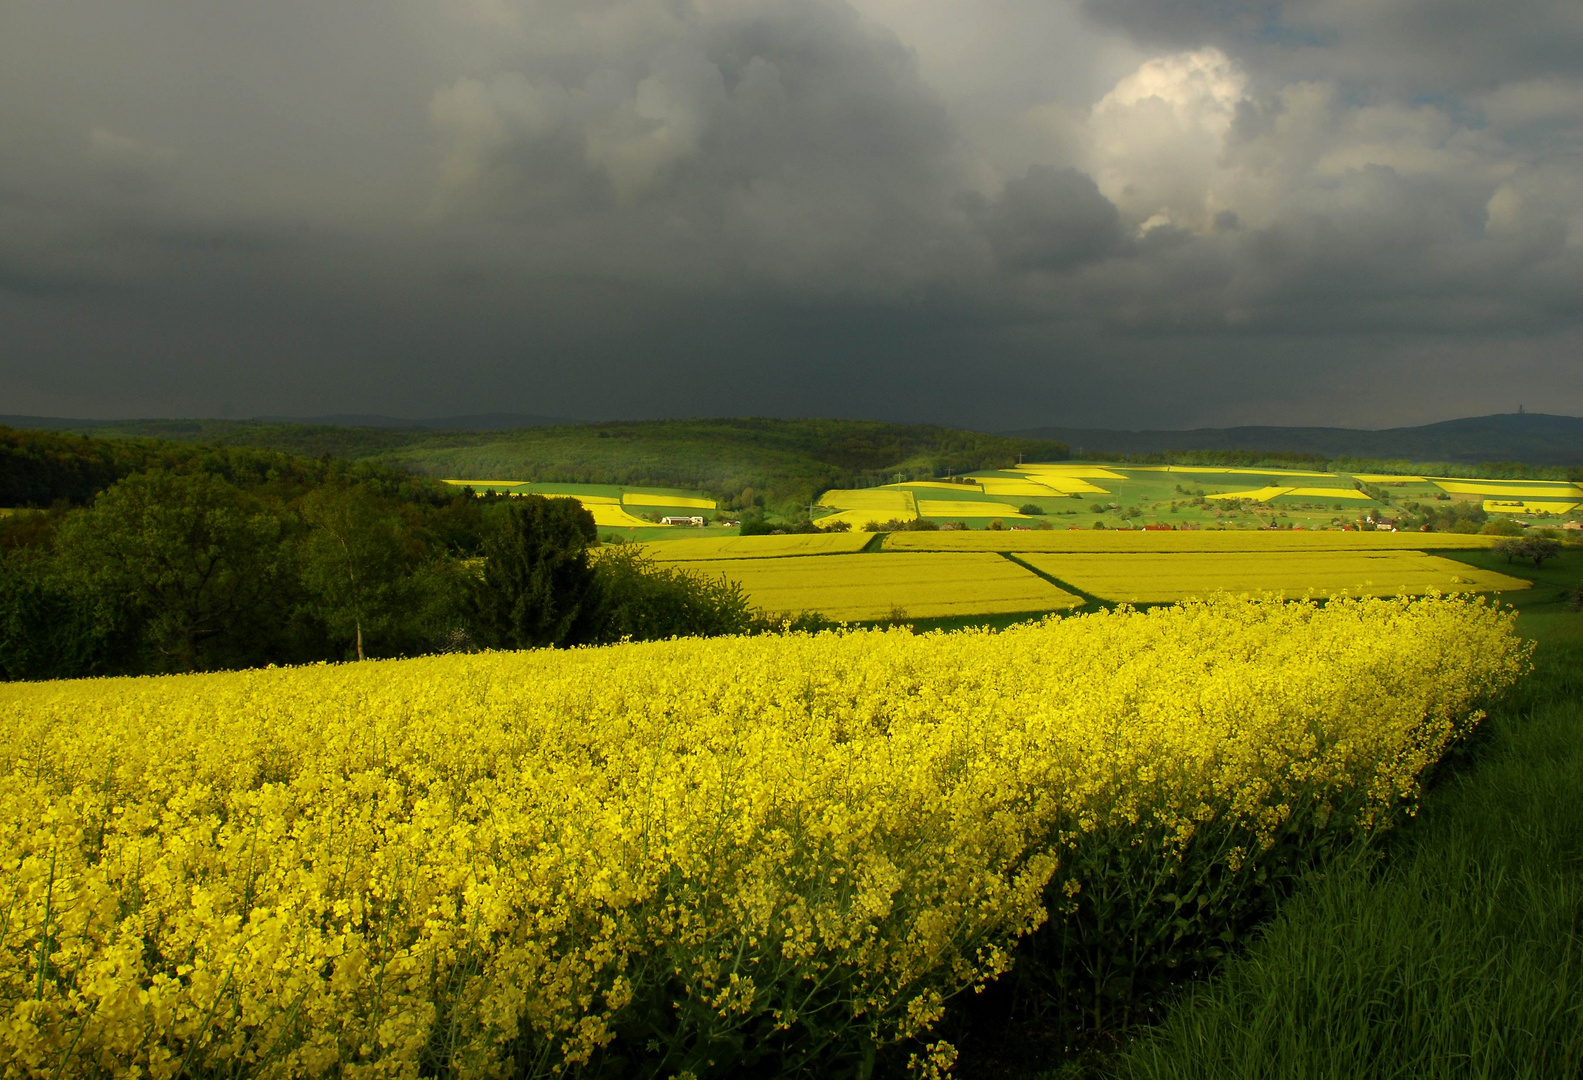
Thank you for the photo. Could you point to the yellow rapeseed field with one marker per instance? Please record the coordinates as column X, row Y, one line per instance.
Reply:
column 1163, row 579
column 1058, row 470
column 759, row 547
column 1528, row 489
column 856, row 587
column 1000, row 485
column 1328, row 493
column 946, row 485
column 1217, row 470
column 859, row 507
column 639, row 498
column 962, row 508
column 1527, row 506
column 1263, row 494
column 703, row 856
column 885, row 500
column 610, row 515
column 1184, row 540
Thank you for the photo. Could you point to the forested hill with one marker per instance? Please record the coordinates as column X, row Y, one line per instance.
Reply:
column 785, row 460
column 1535, row 438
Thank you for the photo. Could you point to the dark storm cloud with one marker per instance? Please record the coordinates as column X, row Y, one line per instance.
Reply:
column 992, row 212
column 1051, row 219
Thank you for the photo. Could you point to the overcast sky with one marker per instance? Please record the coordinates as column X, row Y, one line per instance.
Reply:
column 991, row 213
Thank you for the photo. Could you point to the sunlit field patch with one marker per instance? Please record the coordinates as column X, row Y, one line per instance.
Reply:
column 1210, row 470
column 1328, row 493
column 859, row 587
column 972, row 488
column 1527, row 506
column 996, row 485
column 1527, row 489
column 1056, row 471
column 859, row 507
column 610, row 515
column 641, row 498
column 1184, row 540
column 1159, row 579
column 962, row 508
column 690, row 549
column 1263, row 494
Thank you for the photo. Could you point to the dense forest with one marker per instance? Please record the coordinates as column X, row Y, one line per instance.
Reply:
column 1286, row 459
column 140, row 557
column 788, row 462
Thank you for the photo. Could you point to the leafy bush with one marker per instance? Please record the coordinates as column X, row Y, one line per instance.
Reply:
column 642, row 600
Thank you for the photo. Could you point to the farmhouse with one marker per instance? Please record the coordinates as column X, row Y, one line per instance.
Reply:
column 681, row 519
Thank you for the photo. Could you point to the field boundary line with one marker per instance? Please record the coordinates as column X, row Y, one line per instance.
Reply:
column 1089, row 599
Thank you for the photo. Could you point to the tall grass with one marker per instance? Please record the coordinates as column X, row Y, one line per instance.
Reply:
column 1456, row 953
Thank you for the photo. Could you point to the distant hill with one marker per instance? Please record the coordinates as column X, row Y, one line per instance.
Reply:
column 785, row 461
column 473, row 422
column 1535, row 438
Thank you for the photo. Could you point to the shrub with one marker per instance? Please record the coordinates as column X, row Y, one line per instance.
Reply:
column 642, row 600
column 1536, row 548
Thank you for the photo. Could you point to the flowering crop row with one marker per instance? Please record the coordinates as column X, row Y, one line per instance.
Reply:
column 699, row 857
column 869, row 586
column 1143, row 578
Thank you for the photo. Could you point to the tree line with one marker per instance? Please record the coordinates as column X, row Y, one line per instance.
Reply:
column 208, row 563
column 743, row 462
column 1284, row 459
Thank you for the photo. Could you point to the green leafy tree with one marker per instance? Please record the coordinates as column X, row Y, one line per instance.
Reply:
column 194, row 561
column 48, row 630
column 538, row 586
column 1536, row 548
column 360, row 564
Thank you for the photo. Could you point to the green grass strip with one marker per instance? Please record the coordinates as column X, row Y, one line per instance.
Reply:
column 1456, row 952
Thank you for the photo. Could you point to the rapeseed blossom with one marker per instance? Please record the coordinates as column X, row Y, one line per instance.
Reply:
column 673, row 858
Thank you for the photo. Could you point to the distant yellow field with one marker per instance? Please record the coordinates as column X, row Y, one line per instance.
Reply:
column 1263, row 494
column 1001, row 485
column 691, row 549
column 944, row 485
column 1206, row 470
column 1526, row 489
column 852, row 588
column 1186, row 540
column 609, row 515
column 1159, row 579
column 1076, row 472
column 1527, row 506
column 1328, row 493
column 859, row 507
column 634, row 498
column 589, row 501
column 891, row 500
column 485, row 483
column 1387, row 478
column 961, row 508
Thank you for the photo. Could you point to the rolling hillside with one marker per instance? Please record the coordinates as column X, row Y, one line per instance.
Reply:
column 785, row 461
column 1535, row 438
